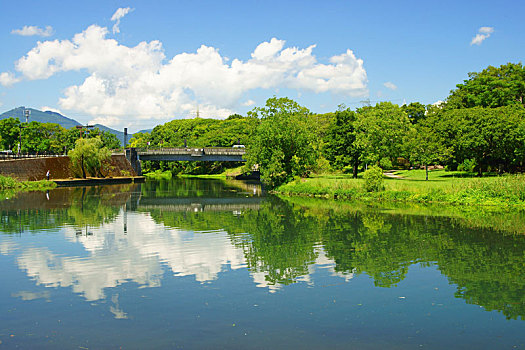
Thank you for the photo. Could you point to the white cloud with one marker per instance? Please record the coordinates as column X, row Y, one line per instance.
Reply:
column 50, row 109
column 483, row 33
column 486, row 30
column 33, row 30
column 117, row 16
column 390, row 85
column 137, row 83
column 8, row 79
column 248, row 103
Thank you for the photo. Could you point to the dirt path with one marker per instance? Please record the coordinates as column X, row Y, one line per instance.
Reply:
column 392, row 175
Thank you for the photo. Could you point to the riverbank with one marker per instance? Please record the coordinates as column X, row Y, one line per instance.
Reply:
column 233, row 173
column 98, row 181
column 410, row 186
column 9, row 186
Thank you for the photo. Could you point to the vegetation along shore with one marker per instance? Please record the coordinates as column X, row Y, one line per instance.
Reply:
column 442, row 187
column 476, row 136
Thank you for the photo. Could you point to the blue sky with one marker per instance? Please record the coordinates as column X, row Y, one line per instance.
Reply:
column 165, row 58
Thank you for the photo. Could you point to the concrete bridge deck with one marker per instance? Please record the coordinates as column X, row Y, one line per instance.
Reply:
column 210, row 154
column 205, row 154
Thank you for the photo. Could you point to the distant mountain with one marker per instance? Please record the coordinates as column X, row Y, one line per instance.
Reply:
column 57, row 118
column 41, row 117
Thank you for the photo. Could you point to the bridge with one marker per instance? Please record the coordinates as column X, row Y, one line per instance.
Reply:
column 207, row 154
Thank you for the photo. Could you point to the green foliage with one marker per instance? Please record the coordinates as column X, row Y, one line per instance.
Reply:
column 282, row 143
column 47, row 137
column 8, row 183
column 385, row 163
column 492, row 87
column 89, row 157
column 374, row 181
column 158, row 174
column 9, row 133
column 341, row 148
column 109, row 140
column 425, row 147
column 446, row 187
column 468, row 165
column 381, row 131
column 140, row 140
column 415, row 111
column 490, row 136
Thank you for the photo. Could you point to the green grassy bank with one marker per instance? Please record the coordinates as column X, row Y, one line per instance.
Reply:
column 228, row 173
column 10, row 186
column 410, row 186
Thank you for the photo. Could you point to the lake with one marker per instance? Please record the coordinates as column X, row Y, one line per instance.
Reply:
column 191, row 264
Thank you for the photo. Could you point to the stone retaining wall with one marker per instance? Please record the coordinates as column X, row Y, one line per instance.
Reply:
column 36, row 168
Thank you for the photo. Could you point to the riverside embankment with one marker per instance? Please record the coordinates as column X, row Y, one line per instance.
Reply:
column 34, row 169
column 410, row 186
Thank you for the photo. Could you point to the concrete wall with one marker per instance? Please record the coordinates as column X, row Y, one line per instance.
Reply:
column 36, row 168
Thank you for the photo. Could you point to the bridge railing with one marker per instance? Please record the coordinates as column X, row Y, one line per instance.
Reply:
column 193, row 150
column 14, row 156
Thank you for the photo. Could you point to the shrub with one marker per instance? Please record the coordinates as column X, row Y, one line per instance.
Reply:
column 374, row 179
column 385, row 163
column 468, row 165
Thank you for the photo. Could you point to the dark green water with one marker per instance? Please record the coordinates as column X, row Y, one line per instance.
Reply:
column 211, row 264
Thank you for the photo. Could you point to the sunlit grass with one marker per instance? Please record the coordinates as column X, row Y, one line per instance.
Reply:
column 442, row 186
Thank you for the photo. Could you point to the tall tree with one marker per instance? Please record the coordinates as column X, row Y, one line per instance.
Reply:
column 491, row 136
column 89, row 157
column 341, row 148
column 492, row 87
column 281, row 145
column 9, row 133
column 425, row 147
column 381, row 132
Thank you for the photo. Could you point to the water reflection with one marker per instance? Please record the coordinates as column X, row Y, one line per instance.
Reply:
column 138, row 233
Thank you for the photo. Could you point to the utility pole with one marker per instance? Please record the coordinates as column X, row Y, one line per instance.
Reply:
column 27, row 112
column 81, row 127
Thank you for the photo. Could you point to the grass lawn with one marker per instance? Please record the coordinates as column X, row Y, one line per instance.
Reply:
column 410, row 186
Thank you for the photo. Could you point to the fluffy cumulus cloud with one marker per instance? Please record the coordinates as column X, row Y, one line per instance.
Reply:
column 141, row 83
column 390, row 85
column 483, row 33
column 117, row 16
column 8, row 79
column 33, row 30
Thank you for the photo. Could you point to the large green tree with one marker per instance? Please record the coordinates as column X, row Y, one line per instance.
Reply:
column 9, row 133
column 341, row 148
column 425, row 147
column 282, row 143
column 381, row 132
column 492, row 87
column 89, row 157
column 493, row 137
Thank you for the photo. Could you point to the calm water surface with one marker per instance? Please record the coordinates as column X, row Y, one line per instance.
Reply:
column 216, row 264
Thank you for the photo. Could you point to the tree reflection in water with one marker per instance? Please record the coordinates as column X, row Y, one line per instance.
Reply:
column 282, row 240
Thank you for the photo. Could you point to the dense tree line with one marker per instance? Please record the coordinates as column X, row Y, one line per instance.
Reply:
column 36, row 137
column 480, row 127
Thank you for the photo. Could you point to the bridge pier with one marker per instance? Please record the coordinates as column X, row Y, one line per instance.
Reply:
column 133, row 157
